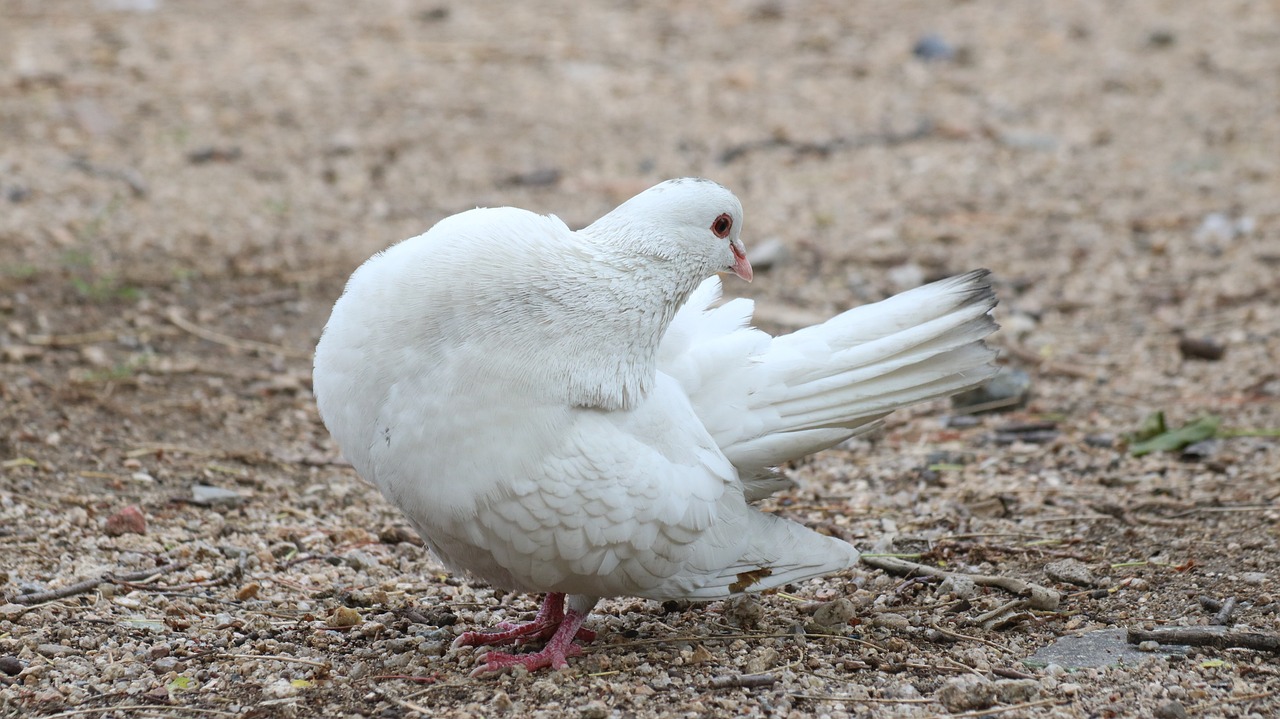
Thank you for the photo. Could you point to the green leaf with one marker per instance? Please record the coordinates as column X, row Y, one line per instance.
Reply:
column 1172, row 441
column 301, row 684
column 19, row 462
column 1152, row 426
column 181, row 683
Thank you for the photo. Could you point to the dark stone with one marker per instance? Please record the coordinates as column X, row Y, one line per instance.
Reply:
column 933, row 48
column 1006, row 391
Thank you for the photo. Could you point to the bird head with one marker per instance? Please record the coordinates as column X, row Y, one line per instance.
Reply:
column 693, row 221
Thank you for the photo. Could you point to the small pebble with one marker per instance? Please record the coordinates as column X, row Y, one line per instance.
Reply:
column 1161, row 38
column 958, row 586
column 208, row 496
column 1149, row 646
column 594, row 710
column 398, row 534
column 966, row 693
column 1006, row 391
column 540, row 177
column 1200, row 451
column 10, row 665
column 360, row 560
column 962, row 421
column 1071, row 571
column 833, row 615
column 701, row 655
column 1256, row 579
column 889, row 620
column 1170, row 710
column 743, row 610
column 1201, row 348
column 129, row 520
column 280, row 689
column 933, row 48
column 12, row 611
column 762, row 662
column 344, row 617
column 1016, row 691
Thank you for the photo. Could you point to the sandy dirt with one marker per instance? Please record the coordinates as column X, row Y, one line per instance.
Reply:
column 185, row 186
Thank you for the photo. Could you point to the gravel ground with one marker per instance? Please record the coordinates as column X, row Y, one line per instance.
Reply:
column 184, row 188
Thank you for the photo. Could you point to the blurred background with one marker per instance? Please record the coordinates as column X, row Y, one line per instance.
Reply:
column 185, row 186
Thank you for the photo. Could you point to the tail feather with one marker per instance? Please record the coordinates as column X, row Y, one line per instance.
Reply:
column 769, row 400
column 780, row 552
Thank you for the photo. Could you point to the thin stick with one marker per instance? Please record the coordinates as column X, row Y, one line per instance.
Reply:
column 404, row 703
column 1012, row 605
column 1076, row 518
column 421, row 680
column 1046, row 365
column 996, row 710
column 274, row 657
column 860, row 700
column 1233, row 700
column 958, row 635
column 1206, row 637
column 723, row 637
column 1225, row 510
column 1037, row 597
column 1009, row 673
column 234, row 342
column 84, row 338
column 135, row 707
column 90, row 584
column 1223, row 617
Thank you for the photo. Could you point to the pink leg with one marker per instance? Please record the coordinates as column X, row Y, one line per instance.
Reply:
column 553, row 655
column 550, row 617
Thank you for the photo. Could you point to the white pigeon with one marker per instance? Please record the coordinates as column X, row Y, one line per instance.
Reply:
column 569, row 413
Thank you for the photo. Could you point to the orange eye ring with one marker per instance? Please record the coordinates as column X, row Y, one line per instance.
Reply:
column 722, row 225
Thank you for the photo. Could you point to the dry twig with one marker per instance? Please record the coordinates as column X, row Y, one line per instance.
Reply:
column 136, row 707
column 966, row 637
column 1035, row 596
column 1208, row 637
column 1223, row 617
column 404, row 703
column 227, row 340
column 91, row 584
column 273, row 657
column 72, row 340
column 998, row 710
column 1233, row 700
column 861, row 700
column 1047, row 366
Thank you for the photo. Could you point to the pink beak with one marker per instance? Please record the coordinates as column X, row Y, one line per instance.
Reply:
column 741, row 267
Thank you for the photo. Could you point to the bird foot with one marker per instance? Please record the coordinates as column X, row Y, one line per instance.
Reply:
column 550, row 617
column 559, row 648
column 550, row 656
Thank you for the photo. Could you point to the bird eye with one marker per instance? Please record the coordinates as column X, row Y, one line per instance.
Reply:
column 722, row 225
